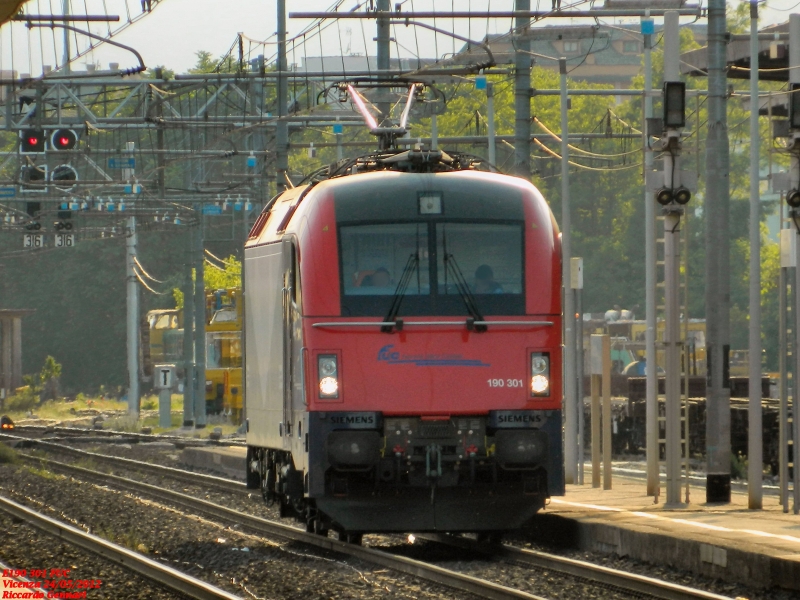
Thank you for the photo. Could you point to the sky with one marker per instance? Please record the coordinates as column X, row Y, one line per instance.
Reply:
column 177, row 29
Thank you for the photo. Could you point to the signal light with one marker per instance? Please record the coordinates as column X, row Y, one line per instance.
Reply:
column 63, row 225
column 32, row 208
column 32, row 141
column 64, row 177
column 33, row 226
column 674, row 104
column 33, row 179
column 64, row 139
column 664, row 196
column 793, row 198
column 682, row 195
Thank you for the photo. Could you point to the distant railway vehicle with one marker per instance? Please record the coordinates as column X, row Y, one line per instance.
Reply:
column 224, row 352
column 403, row 348
column 6, row 423
column 165, row 340
column 223, row 381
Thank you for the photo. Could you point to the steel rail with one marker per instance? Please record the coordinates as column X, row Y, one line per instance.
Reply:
column 219, row 483
column 265, row 527
column 132, row 561
column 596, row 573
column 630, row 582
column 140, row 436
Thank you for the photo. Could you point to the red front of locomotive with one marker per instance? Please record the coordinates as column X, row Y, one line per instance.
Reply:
column 432, row 350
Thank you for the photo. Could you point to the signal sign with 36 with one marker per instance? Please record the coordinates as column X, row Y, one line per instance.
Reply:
column 65, row 240
column 33, row 240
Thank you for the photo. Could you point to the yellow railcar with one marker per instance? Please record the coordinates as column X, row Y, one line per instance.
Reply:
column 224, row 352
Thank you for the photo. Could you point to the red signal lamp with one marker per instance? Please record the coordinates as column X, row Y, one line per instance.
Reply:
column 32, row 141
column 64, row 139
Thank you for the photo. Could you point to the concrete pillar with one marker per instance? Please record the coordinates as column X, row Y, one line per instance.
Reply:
column 16, row 353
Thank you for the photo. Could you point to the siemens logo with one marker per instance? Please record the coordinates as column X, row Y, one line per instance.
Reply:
column 519, row 419
column 353, row 420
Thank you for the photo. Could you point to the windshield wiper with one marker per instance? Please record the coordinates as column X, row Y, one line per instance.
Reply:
column 466, row 294
column 399, row 293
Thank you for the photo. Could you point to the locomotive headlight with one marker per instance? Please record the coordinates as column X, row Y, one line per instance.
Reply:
column 328, row 370
column 539, row 385
column 540, row 374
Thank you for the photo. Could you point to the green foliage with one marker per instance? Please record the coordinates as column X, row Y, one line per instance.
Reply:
column 50, row 370
column 8, row 455
column 24, row 400
column 215, row 277
column 228, row 276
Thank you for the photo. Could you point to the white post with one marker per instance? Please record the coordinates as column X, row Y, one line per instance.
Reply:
column 672, row 221
column 132, row 318
column 164, row 379
column 651, row 403
column 576, row 273
column 755, row 467
column 570, row 401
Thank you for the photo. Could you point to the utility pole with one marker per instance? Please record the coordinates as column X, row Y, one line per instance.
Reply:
column 651, row 402
column 65, row 12
column 490, row 123
column 793, row 200
column 188, row 334
column 672, row 196
column 717, row 203
column 133, row 317
column 570, row 382
column 199, row 328
column 755, row 467
column 282, row 126
column 133, row 299
column 383, row 105
column 522, row 93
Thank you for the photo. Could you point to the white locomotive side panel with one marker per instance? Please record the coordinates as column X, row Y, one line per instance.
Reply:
column 264, row 356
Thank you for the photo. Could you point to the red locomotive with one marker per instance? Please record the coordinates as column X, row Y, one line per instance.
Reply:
column 403, row 348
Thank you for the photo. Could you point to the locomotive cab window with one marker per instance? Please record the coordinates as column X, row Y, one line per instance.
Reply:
column 376, row 257
column 381, row 262
column 487, row 256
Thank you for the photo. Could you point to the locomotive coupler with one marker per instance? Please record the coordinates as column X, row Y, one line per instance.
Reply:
column 433, row 456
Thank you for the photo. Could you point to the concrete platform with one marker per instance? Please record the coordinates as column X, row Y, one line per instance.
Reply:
column 227, row 461
column 725, row 541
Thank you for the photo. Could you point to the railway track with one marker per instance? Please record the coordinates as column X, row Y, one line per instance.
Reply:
column 118, row 555
column 637, row 585
column 83, row 434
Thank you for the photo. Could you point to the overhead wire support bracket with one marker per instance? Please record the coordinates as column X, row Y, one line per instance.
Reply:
column 65, row 18
column 53, row 25
column 693, row 11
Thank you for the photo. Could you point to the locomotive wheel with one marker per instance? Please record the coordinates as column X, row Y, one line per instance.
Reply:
column 350, row 538
column 268, row 483
column 317, row 528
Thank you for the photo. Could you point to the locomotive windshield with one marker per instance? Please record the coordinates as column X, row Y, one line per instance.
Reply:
column 486, row 257
column 434, row 244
